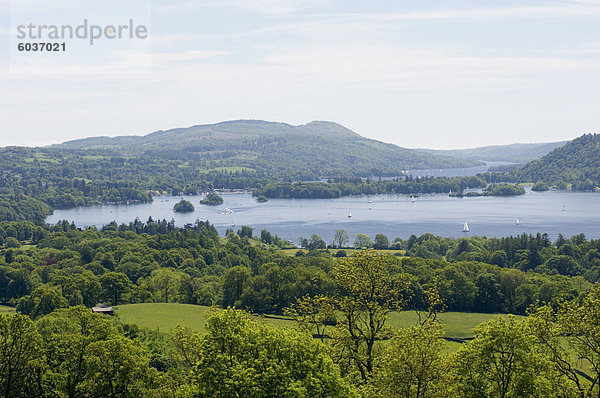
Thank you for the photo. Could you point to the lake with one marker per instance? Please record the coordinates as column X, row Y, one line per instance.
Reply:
column 457, row 172
column 551, row 212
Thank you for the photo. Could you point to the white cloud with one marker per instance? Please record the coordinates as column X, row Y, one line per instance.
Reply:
column 593, row 2
column 397, row 67
column 292, row 66
column 353, row 21
column 257, row 6
column 178, row 38
column 495, row 13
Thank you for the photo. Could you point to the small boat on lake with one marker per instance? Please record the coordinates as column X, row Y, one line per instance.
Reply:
column 465, row 227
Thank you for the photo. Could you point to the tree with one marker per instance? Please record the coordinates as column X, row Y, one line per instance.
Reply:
column 20, row 282
column 115, row 285
column 510, row 281
column 489, row 294
column 570, row 329
column 540, row 186
column 234, row 281
column 381, row 242
column 165, row 283
column 240, row 357
column 525, row 296
column 316, row 242
column 67, row 334
column 367, row 294
column 43, row 300
column 499, row 258
column 88, row 356
column 412, row 365
column 313, row 314
column 303, row 242
column 362, row 241
column 564, row 265
column 212, row 199
column 340, row 238
column 11, row 243
column 463, row 246
column 266, row 237
column 20, row 356
column 246, row 231
column 503, row 361
column 458, row 290
column 117, row 367
column 183, row 206
column 87, row 285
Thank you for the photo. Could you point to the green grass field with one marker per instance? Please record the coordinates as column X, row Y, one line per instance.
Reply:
column 166, row 316
column 163, row 316
column 456, row 324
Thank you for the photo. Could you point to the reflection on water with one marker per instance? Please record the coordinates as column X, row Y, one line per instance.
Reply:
column 551, row 212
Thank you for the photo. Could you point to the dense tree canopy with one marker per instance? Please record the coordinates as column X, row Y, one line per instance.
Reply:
column 155, row 261
column 212, row 199
column 239, row 357
column 183, row 206
column 576, row 163
column 344, row 345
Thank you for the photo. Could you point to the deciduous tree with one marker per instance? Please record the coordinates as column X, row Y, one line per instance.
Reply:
column 367, row 294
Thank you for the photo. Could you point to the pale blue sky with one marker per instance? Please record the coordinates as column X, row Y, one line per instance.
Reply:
column 438, row 74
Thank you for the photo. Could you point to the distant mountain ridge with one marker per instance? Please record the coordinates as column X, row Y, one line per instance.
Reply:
column 514, row 153
column 241, row 128
column 317, row 149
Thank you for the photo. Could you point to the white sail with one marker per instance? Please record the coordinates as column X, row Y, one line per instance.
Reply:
column 466, row 227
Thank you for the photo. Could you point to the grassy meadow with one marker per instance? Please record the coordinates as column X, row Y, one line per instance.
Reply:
column 165, row 316
column 5, row 309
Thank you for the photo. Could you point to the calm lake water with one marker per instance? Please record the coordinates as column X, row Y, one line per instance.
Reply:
column 458, row 172
column 551, row 212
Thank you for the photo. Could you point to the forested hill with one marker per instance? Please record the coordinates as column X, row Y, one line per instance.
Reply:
column 576, row 163
column 514, row 153
column 317, row 149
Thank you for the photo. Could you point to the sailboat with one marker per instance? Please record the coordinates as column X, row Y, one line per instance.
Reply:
column 466, row 227
column 412, row 198
column 349, row 215
column 518, row 221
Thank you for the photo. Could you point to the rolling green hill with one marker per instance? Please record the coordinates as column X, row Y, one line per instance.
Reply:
column 576, row 163
column 514, row 153
column 321, row 149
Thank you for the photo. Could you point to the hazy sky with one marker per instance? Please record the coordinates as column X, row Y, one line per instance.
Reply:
column 437, row 74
